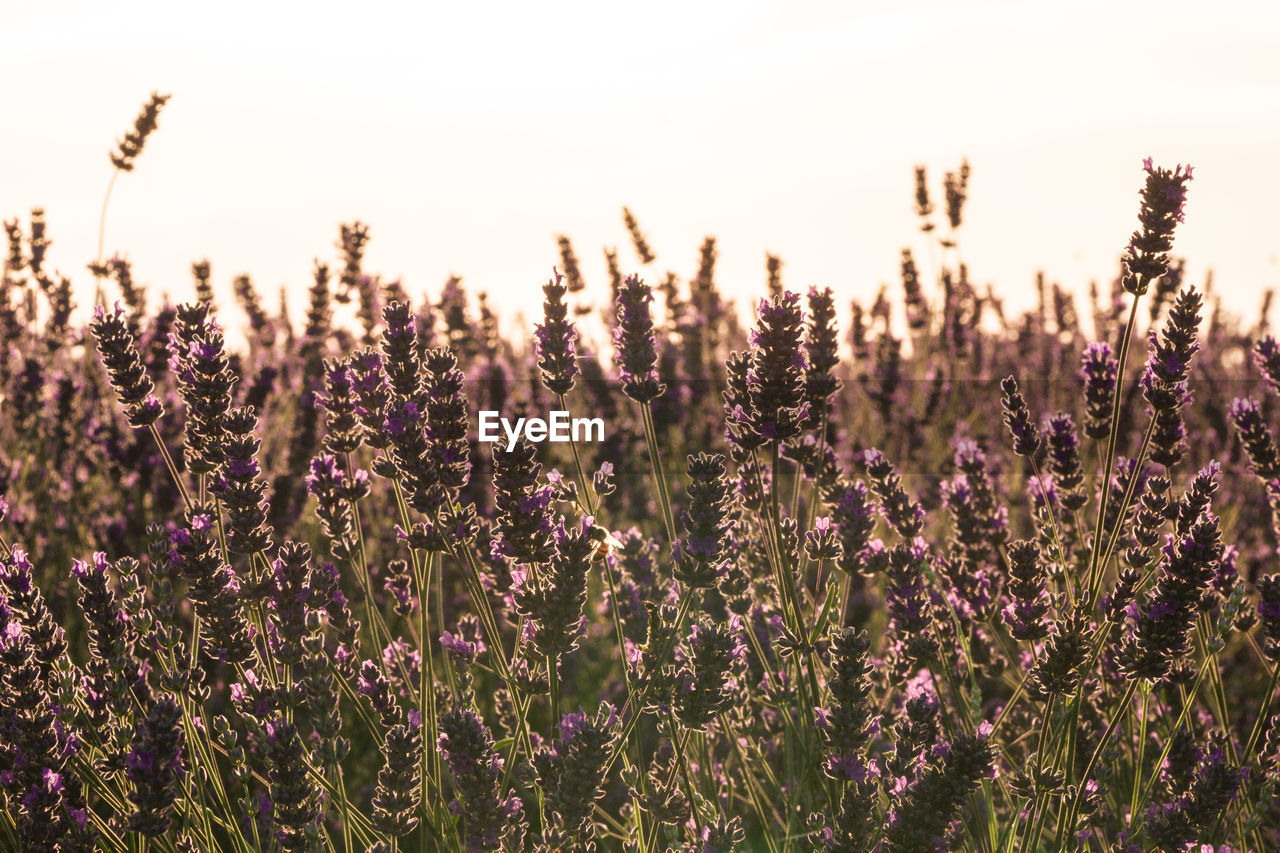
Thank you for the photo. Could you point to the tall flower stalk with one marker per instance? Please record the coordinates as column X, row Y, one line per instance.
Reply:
column 1146, row 259
column 123, row 159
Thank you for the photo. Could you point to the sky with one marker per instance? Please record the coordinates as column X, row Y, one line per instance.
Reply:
column 467, row 136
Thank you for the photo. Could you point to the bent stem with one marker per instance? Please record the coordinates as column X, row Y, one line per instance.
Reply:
column 1262, row 715
column 98, row 298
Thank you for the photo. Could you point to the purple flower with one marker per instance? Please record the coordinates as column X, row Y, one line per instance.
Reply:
column 555, row 339
column 1163, row 200
column 633, row 340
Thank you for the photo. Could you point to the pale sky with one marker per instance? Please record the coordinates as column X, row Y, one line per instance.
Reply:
column 467, row 135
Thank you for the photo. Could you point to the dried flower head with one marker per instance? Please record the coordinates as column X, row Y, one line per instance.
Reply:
column 128, row 149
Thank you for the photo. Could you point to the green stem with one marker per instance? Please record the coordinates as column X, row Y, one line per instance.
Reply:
column 617, row 626
column 680, row 742
column 786, row 574
column 379, row 631
column 655, row 462
column 1116, row 715
column 584, row 485
column 475, row 589
column 1055, row 531
column 1142, row 744
column 1004, row 712
column 754, row 788
column 553, row 678
column 173, row 469
column 1262, row 715
column 812, row 509
column 637, row 708
column 1218, row 698
column 426, row 686
column 1177, row 726
column 1114, row 438
column 1114, row 536
column 99, row 298
column 343, row 806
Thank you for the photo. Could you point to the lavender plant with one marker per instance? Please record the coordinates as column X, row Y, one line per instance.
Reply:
column 798, row 598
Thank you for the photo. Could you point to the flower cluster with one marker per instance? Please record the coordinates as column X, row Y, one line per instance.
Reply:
column 1099, row 373
column 556, row 340
column 1026, row 438
column 699, row 556
column 490, row 820
column 119, row 352
column 552, row 596
column 633, row 339
column 1163, row 198
column 776, row 378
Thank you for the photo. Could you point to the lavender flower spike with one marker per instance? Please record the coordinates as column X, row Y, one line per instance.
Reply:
column 634, row 342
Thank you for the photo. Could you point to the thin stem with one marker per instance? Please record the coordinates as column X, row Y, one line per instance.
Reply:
column 1114, row 537
column 617, row 625
column 426, row 684
column 102, row 218
column 1218, row 701
column 98, row 298
column 812, row 509
column 1262, row 715
column 1054, row 530
column 1017, row 692
column 753, row 785
column 824, row 615
column 343, row 805
column 553, row 678
column 1112, row 440
column 584, row 485
column 1142, row 744
column 1159, row 765
column 784, row 576
column 655, row 462
column 686, row 601
column 475, row 589
column 680, row 741
column 379, row 631
column 1116, row 715
column 173, row 469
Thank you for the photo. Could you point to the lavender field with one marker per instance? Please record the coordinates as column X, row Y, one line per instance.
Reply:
column 910, row 574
